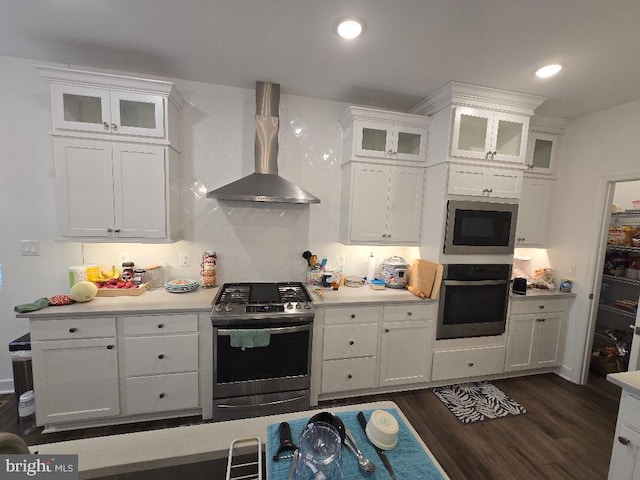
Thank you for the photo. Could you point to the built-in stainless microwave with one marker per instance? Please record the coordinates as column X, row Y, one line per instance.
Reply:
column 479, row 227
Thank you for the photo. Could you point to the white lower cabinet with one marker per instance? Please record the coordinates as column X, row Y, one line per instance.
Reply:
column 75, row 379
column 625, row 457
column 368, row 347
column 535, row 333
column 112, row 369
column 406, row 344
column 468, row 362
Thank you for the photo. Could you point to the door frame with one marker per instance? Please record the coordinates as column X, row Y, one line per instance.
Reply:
column 607, row 186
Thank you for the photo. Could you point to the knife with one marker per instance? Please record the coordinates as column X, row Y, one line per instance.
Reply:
column 379, row 451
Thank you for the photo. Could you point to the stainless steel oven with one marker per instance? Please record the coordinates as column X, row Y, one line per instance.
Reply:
column 479, row 227
column 262, row 337
column 473, row 300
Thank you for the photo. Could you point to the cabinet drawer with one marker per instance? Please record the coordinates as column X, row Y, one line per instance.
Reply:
column 72, row 328
column 407, row 312
column 630, row 411
column 150, row 324
column 468, row 362
column 350, row 374
column 347, row 341
column 537, row 306
column 351, row 314
column 161, row 393
column 160, row 354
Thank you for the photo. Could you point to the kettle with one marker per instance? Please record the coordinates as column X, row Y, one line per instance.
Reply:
column 395, row 272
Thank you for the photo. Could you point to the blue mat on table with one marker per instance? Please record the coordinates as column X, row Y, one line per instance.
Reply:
column 408, row 458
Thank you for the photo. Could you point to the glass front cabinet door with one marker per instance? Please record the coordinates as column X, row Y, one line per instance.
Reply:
column 541, row 152
column 397, row 142
column 107, row 111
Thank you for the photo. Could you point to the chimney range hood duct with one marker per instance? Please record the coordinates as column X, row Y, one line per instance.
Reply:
column 265, row 185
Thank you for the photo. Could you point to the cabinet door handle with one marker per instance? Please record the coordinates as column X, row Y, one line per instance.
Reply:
column 349, row 376
column 384, row 235
column 541, row 307
column 73, row 330
column 388, row 235
column 493, row 154
column 109, row 229
column 490, row 190
column 486, row 157
column 161, row 325
column 389, row 152
column 470, row 364
column 351, row 342
column 106, row 125
column 114, row 127
column 109, row 347
column 117, row 230
column 161, row 395
column 409, row 314
column 538, row 319
column 624, row 441
column 386, row 330
column 353, row 315
column 161, row 356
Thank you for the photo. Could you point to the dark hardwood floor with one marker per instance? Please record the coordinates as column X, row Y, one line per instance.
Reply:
column 567, row 432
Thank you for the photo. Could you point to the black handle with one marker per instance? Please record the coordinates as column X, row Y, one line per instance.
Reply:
column 161, row 356
column 285, row 434
column 362, row 421
column 73, row 330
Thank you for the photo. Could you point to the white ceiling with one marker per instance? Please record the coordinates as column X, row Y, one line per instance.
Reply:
column 409, row 50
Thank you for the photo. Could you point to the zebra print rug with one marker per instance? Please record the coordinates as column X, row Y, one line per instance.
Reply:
column 478, row 401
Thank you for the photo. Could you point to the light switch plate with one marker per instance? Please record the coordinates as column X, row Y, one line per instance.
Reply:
column 183, row 259
column 30, row 247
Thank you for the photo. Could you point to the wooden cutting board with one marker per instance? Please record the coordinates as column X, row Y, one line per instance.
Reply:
column 425, row 278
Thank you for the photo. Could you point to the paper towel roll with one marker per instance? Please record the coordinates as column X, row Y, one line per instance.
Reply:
column 371, row 268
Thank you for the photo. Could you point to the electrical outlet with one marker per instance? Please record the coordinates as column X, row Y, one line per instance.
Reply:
column 183, row 259
column 571, row 270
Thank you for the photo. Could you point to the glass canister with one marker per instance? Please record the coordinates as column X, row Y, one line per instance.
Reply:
column 320, row 453
column 208, row 268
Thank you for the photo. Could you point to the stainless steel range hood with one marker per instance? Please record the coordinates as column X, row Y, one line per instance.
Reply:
column 265, row 185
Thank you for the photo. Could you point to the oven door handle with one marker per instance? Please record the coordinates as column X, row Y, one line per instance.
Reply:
column 264, row 404
column 225, row 332
column 475, row 282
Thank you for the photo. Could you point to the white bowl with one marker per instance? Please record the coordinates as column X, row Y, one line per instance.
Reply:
column 382, row 430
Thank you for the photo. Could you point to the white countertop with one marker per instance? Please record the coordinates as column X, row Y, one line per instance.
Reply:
column 366, row 294
column 151, row 301
column 541, row 293
column 114, row 454
column 629, row 381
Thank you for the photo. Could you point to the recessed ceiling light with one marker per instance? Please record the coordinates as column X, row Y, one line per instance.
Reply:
column 548, row 70
column 349, row 28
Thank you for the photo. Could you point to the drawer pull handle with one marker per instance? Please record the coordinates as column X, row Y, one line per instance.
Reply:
column 349, row 376
column 351, row 342
column 386, row 330
column 541, row 307
column 161, row 325
column 161, row 395
column 409, row 314
column 109, row 347
column 73, row 330
column 470, row 364
column 353, row 315
column 161, row 356
column 623, row 440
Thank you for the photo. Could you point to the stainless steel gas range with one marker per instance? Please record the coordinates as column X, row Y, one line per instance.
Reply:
column 262, row 336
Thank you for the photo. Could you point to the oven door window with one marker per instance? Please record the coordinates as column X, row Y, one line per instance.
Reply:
column 474, row 304
column 482, row 228
column 287, row 355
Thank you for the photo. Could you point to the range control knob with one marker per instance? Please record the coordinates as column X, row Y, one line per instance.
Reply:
column 298, row 306
column 218, row 308
column 228, row 308
column 289, row 306
column 307, row 306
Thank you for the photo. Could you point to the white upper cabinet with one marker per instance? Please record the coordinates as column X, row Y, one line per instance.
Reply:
column 480, row 181
column 379, row 134
column 116, row 146
column 545, row 133
column 112, row 106
column 533, row 213
column 483, row 134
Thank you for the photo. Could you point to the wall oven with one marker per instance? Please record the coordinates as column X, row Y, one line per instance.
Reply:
column 478, row 227
column 473, row 300
column 272, row 373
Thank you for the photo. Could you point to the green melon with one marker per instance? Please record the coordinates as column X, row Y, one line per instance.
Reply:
column 84, row 291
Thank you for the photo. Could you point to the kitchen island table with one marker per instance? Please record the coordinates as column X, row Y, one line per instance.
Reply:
column 156, row 449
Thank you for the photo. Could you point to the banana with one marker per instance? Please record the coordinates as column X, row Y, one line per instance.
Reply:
column 113, row 273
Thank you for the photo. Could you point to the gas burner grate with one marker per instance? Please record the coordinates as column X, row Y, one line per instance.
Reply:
column 235, row 294
column 293, row 292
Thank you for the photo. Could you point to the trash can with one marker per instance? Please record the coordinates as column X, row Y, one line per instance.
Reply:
column 20, row 350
